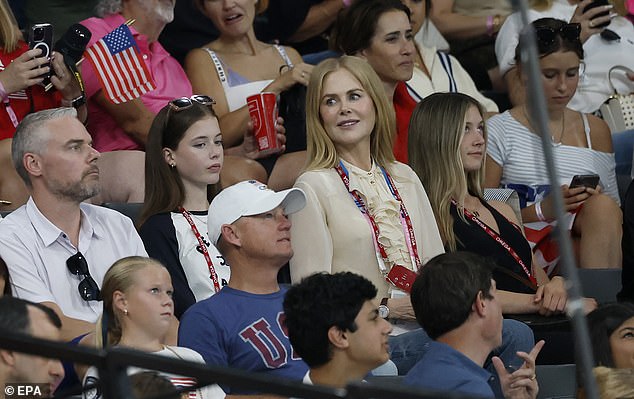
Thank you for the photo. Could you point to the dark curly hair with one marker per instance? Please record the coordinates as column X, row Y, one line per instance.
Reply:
column 319, row 302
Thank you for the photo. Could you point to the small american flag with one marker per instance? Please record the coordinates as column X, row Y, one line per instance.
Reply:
column 122, row 73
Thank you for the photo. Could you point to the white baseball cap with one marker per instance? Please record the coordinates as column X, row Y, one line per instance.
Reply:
column 249, row 198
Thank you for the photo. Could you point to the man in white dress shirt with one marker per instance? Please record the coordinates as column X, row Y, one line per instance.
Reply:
column 57, row 248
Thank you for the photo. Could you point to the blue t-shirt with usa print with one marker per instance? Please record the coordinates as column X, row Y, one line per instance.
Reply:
column 242, row 330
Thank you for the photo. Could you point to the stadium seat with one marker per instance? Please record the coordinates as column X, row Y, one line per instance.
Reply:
column 601, row 284
column 557, row 381
column 131, row 209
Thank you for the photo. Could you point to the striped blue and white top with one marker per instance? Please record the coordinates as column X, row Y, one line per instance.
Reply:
column 519, row 152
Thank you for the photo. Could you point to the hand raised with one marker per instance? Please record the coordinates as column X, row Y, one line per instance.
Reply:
column 522, row 383
column 24, row 71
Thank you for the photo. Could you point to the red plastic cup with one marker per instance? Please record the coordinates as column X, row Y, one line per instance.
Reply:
column 263, row 111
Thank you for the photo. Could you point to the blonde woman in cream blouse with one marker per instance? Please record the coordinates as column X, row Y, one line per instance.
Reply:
column 350, row 128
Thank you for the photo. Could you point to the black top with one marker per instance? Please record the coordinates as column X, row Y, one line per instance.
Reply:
column 168, row 238
column 471, row 237
column 159, row 237
column 284, row 17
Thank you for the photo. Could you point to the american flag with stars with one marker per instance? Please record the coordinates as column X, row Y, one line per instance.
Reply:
column 121, row 70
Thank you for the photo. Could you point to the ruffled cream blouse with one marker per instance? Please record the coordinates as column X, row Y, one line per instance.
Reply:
column 331, row 234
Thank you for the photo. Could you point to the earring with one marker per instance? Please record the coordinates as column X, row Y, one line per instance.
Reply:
column 125, row 312
column 172, row 165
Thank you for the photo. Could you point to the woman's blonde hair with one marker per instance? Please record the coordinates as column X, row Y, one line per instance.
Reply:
column 120, row 277
column 321, row 149
column 9, row 34
column 613, row 383
column 435, row 134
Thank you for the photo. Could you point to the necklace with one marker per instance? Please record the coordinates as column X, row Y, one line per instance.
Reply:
column 555, row 143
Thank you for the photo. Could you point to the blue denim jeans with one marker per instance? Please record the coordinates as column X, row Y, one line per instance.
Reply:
column 406, row 349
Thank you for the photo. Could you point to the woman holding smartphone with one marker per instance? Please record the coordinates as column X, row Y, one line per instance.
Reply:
column 447, row 148
column 581, row 144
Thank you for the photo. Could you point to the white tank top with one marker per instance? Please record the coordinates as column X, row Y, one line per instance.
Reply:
column 237, row 95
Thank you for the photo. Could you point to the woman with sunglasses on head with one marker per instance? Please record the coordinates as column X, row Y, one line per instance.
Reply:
column 184, row 157
column 137, row 313
column 447, row 147
column 605, row 47
column 237, row 65
column 581, row 144
column 607, row 39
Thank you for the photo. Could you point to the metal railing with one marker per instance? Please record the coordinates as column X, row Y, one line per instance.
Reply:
column 113, row 362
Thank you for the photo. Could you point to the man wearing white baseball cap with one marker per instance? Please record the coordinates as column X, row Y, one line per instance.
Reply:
column 242, row 325
column 249, row 198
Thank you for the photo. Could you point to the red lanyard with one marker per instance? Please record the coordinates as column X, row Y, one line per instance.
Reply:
column 375, row 229
column 203, row 248
column 499, row 240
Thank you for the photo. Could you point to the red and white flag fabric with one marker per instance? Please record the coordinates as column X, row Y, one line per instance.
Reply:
column 118, row 64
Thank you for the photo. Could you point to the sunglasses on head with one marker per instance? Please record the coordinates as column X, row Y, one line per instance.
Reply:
column 548, row 36
column 180, row 104
column 88, row 288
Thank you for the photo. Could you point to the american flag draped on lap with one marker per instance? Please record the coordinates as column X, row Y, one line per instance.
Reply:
column 122, row 73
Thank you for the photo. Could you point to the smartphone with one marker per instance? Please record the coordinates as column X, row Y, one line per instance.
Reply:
column 588, row 181
column 599, row 3
column 41, row 36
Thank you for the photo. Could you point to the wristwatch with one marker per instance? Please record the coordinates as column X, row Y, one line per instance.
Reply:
column 384, row 311
column 75, row 102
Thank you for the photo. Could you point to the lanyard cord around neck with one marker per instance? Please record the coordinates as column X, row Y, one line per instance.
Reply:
column 496, row 237
column 405, row 219
column 203, row 248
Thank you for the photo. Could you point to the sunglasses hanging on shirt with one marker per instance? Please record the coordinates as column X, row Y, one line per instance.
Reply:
column 610, row 36
column 88, row 288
